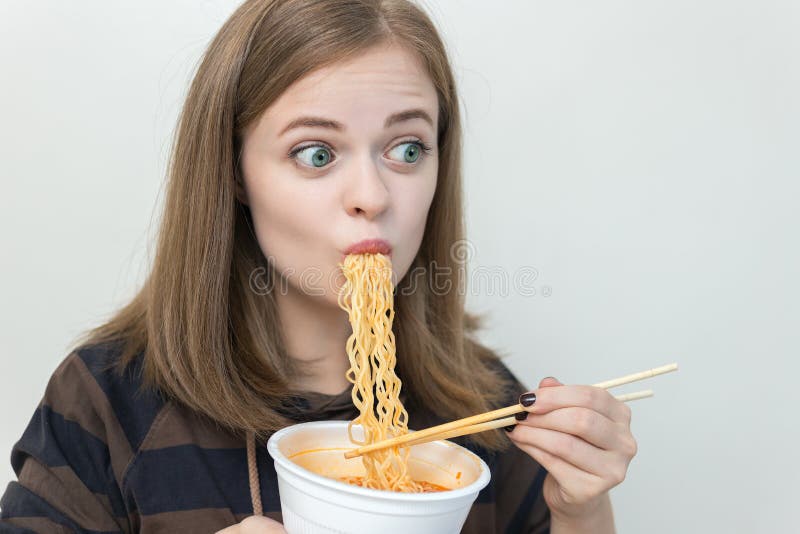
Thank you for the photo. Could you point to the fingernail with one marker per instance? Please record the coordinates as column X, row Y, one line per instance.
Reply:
column 554, row 378
column 527, row 399
column 508, row 428
column 521, row 416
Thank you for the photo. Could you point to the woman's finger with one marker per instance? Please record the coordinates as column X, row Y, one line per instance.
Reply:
column 571, row 449
column 579, row 486
column 597, row 399
column 549, row 381
column 585, row 423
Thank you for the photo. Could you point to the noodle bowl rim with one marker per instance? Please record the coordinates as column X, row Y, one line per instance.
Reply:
column 474, row 487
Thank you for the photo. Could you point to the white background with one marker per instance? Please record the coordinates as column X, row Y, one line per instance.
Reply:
column 642, row 157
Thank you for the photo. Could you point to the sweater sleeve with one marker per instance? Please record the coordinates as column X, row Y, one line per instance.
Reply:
column 68, row 461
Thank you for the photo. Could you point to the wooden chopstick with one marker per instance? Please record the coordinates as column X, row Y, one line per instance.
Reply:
column 635, row 396
column 474, row 421
column 509, row 421
column 627, row 379
column 435, row 430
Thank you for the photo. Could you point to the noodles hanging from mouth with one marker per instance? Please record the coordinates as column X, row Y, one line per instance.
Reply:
column 367, row 296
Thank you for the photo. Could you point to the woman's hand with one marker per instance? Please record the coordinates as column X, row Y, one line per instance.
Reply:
column 581, row 435
column 255, row 524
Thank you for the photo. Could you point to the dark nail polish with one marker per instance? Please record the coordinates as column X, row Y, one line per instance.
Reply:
column 521, row 416
column 527, row 399
column 509, row 428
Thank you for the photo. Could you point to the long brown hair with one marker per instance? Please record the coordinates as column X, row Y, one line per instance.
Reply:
column 209, row 340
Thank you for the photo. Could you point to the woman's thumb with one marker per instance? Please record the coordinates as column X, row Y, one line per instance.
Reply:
column 255, row 524
column 258, row 524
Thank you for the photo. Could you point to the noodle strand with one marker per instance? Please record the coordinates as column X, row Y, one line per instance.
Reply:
column 368, row 298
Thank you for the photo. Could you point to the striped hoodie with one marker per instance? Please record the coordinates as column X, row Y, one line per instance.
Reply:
column 102, row 455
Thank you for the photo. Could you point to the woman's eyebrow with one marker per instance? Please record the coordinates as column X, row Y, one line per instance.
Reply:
column 321, row 122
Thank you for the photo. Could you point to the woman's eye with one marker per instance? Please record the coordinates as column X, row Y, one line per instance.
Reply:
column 318, row 156
column 313, row 156
column 408, row 152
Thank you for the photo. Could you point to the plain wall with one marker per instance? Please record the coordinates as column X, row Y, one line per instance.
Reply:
column 635, row 164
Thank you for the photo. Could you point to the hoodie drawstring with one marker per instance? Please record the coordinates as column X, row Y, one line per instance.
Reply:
column 252, row 469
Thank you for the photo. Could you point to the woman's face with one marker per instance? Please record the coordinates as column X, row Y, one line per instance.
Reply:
column 346, row 153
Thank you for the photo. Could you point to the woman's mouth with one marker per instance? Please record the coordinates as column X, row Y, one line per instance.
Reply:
column 371, row 246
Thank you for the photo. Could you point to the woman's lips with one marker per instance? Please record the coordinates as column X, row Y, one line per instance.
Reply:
column 371, row 246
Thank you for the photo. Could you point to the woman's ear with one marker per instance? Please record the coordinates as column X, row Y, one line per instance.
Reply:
column 241, row 192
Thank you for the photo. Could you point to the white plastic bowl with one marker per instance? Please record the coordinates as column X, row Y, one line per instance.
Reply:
column 316, row 504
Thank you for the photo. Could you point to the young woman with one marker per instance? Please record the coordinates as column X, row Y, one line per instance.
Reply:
column 310, row 126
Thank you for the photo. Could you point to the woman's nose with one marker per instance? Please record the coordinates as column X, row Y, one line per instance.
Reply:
column 367, row 193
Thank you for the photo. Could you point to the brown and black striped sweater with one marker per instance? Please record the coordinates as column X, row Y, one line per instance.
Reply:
column 102, row 455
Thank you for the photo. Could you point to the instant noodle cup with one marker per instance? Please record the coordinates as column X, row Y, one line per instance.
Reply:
column 309, row 460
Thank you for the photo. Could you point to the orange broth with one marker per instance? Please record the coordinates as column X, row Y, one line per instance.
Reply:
column 427, row 487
